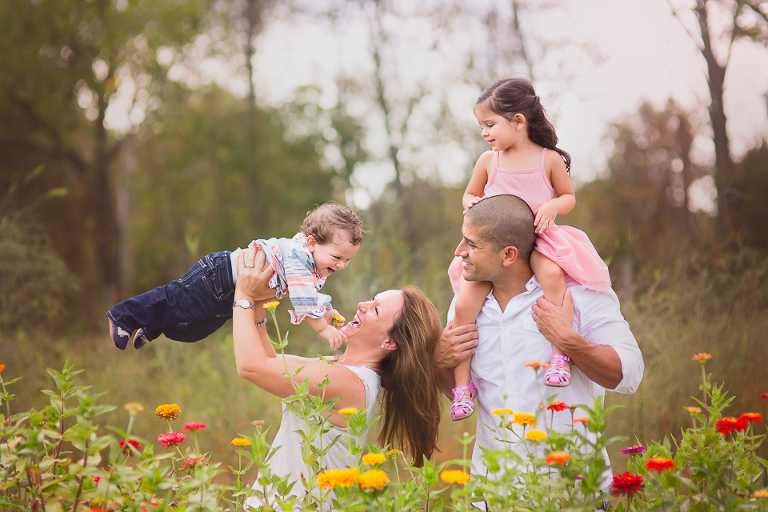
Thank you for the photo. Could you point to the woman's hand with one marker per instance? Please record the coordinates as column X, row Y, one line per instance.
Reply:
column 253, row 275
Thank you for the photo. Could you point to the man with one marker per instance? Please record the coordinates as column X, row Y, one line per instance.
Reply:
column 517, row 326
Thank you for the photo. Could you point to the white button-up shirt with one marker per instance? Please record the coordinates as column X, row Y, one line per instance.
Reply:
column 510, row 339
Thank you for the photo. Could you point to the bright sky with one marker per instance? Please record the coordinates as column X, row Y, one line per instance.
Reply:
column 647, row 55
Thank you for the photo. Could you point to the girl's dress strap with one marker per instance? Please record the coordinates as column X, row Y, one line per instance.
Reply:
column 495, row 160
column 543, row 153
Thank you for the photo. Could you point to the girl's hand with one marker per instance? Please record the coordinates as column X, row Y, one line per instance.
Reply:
column 545, row 216
column 473, row 202
column 253, row 275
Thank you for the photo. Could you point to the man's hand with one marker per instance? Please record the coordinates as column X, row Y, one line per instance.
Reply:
column 455, row 345
column 555, row 323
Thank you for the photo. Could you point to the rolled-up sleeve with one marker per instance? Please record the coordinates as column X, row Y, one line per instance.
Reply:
column 600, row 321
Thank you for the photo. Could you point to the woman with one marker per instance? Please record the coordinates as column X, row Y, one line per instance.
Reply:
column 389, row 344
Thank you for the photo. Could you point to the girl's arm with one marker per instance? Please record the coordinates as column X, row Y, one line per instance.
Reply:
column 565, row 200
column 257, row 361
column 476, row 187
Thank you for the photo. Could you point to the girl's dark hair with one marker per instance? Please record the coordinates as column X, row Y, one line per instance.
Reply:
column 325, row 221
column 510, row 96
column 411, row 395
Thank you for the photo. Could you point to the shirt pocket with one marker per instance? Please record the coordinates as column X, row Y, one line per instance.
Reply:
column 538, row 346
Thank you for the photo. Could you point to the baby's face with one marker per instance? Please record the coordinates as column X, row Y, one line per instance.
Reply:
column 333, row 256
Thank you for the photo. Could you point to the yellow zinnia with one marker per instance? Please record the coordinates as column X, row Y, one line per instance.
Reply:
column 522, row 418
column 271, row 306
column 371, row 459
column 373, row 479
column 500, row 412
column 454, row 476
column 168, row 411
column 348, row 410
column 338, row 477
column 392, row 453
column 536, row 435
column 239, row 441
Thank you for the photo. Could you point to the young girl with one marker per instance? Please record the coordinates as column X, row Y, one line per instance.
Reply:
column 516, row 127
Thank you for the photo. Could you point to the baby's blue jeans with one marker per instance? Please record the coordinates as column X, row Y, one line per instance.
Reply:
column 188, row 309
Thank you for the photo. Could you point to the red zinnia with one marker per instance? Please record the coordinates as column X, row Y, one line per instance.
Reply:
column 126, row 446
column 764, row 395
column 194, row 426
column 626, row 484
column 728, row 425
column 557, row 406
column 752, row 417
column 659, row 464
column 170, row 438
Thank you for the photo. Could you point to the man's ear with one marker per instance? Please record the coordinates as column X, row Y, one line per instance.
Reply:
column 510, row 255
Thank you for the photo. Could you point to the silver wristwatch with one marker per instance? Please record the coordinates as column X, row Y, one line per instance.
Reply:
column 244, row 303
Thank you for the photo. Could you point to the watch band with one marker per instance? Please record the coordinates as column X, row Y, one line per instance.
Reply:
column 246, row 304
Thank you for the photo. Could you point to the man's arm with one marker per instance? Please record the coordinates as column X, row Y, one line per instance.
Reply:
column 601, row 363
column 454, row 346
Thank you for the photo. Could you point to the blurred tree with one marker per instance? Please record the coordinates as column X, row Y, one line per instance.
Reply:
column 640, row 212
column 754, row 169
column 207, row 184
column 719, row 24
column 63, row 65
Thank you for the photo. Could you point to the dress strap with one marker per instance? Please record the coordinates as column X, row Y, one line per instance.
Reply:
column 543, row 153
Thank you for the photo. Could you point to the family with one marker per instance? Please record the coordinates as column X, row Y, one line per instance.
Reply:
column 525, row 289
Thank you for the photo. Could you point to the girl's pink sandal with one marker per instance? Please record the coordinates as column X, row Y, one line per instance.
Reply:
column 558, row 375
column 463, row 406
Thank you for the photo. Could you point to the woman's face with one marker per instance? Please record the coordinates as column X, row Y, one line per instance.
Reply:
column 376, row 317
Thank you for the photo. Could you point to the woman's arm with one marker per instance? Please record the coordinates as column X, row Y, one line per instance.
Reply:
column 257, row 360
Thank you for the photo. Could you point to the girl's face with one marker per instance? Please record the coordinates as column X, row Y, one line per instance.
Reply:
column 498, row 131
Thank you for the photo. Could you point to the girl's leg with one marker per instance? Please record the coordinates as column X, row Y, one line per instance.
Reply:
column 469, row 302
column 552, row 280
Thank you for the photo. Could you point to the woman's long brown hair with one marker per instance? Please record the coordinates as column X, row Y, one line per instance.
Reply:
column 411, row 396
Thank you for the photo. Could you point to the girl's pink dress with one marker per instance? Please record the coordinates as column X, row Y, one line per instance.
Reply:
column 569, row 247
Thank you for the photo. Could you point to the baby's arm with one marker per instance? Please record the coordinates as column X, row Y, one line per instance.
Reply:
column 476, row 187
column 565, row 200
column 334, row 336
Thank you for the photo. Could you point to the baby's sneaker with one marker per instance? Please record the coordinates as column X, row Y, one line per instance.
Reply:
column 120, row 337
column 141, row 338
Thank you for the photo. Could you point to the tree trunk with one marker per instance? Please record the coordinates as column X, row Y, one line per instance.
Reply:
column 728, row 201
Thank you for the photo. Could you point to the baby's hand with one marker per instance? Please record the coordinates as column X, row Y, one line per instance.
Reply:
column 334, row 336
column 472, row 203
column 545, row 216
column 334, row 318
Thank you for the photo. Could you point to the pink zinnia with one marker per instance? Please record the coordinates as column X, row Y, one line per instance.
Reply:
column 170, row 438
column 194, row 426
column 96, row 479
column 633, row 449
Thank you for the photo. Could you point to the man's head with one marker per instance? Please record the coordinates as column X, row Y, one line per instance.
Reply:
column 497, row 232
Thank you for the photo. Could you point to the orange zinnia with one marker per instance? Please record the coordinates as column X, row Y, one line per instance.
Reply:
column 703, row 356
column 557, row 458
column 537, row 364
column 659, row 464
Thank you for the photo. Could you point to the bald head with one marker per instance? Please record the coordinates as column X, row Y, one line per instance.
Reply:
column 502, row 221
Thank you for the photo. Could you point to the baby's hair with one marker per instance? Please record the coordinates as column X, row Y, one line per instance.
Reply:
column 510, row 96
column 325, row 221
